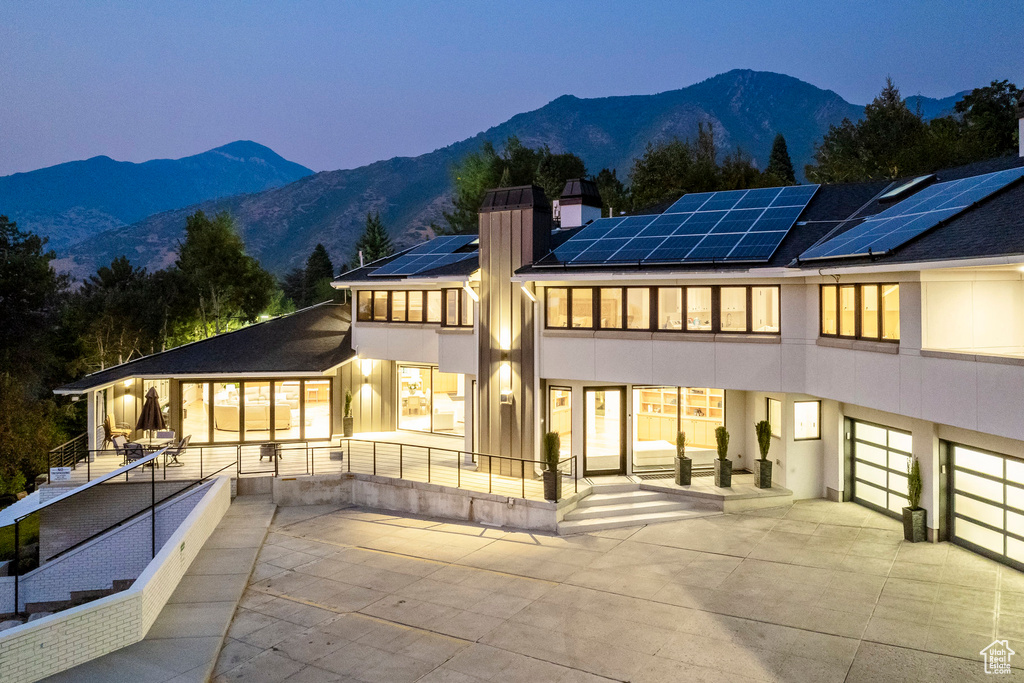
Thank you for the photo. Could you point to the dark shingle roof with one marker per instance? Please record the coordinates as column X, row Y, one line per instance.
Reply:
column 312, row 341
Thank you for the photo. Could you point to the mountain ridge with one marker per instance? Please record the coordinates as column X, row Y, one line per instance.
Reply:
column 281, row 225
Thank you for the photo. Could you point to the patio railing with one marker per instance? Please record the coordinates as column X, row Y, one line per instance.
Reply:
column 69, row 453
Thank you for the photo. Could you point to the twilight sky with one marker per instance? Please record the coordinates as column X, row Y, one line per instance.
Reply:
column 340, row 84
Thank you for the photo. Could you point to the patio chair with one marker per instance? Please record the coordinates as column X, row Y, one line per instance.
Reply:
column 133, row 452
column 172, row 453
column 166, row 434
column 119, row 443
column 113, row 429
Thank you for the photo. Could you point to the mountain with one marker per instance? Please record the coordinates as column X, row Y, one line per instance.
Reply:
column 73, row 201
column 282, row 225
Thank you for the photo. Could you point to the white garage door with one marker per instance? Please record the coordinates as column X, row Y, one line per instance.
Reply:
column 880, row 459
column 988, row 503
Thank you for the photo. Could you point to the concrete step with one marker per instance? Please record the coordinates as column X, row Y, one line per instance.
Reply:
column 582, row 526
column 616, row 488
column 660, row 504
column 637, row 496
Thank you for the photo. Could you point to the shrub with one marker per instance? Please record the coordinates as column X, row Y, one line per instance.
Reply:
column 348, row 404
column 681, row 445
column 722, row 439
column 914, row 486
column 764, row 437
column 552, row 450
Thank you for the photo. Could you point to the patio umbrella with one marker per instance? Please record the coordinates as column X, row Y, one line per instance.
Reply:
column 151, row 418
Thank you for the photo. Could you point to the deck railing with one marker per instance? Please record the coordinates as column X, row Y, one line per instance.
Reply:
column 71, row 452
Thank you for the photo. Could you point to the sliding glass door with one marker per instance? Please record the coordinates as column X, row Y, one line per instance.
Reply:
column 604, row 426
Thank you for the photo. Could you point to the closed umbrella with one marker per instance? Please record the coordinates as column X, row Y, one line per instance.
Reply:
column 151, row 418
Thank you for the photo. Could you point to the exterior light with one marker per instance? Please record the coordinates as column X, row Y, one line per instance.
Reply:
column 529, row 294
column 367, row 367
column 129, row 382
column 505, row 380
column 469, row 290
column 505, row 340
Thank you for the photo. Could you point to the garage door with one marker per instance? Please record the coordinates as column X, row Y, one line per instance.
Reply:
column 880, row 459
column 988, row 504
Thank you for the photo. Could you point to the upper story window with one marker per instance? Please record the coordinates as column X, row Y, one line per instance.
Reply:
column 458, row 308
column 726, row 309
column 867, row 311
column 398, row 306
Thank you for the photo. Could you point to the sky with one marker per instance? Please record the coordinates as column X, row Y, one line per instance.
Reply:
column 340, row 84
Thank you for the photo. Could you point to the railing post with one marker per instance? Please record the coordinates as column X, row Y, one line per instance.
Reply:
column 490, row 474
column 152, row 506
column 458, row 468
column 375, row 458
column 401, row 468
column 17, row 562
column 428, row 464
column 312, row 460
column 200, row 462
column 522, row 475
column 348, row 454
column 277, row 457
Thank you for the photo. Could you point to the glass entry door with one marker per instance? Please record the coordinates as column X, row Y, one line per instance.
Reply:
column 604, row 423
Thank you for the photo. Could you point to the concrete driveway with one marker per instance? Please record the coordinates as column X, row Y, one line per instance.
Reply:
column 817, row 592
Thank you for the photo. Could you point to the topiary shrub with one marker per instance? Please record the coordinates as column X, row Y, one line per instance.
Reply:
column 722, row 440
column 763, row 429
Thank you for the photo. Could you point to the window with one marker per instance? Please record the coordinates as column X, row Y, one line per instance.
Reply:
column 582, row 303
column 364, row 305
column 380, row 306
column 806, row 420
column 431, row 401
column 398, row 307
column 765, row 305
column 693, row 309
column 868, row 311
column 434, row 307
column 611, row 308
column 638, row 308
column 698, row 309
column 774, row 410
column 560, row 418
column 415, row 307
column 458, row 308
column 734, row 309
column 670, row 308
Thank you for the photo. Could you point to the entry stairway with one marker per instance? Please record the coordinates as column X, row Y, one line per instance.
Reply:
column 612, row 506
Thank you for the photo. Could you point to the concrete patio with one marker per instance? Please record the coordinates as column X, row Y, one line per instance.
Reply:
column 818, row 591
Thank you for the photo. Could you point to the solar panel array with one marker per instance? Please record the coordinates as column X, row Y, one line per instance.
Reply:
column 438, row 252
column 737, row 225
column 911, row 217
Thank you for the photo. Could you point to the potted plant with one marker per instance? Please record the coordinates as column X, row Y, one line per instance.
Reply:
column 684, row 465
column 763, row 466
column 723, row 466
column 552, row 477
column 348, row 421
column 914, row 516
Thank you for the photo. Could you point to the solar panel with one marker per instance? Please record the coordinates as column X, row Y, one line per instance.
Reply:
column 736, row 225
column 438, row 252
column 912, row 217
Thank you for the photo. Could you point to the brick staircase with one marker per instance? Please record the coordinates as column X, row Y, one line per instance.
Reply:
column 612, row 506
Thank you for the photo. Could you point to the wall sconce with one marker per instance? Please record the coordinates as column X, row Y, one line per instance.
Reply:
column 529, row 294
column 472, row 293
column 505, row 379
column 367, row 367
column 129, row 382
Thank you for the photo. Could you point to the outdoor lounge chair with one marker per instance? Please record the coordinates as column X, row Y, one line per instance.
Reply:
column 119, row 443
column 172, row 453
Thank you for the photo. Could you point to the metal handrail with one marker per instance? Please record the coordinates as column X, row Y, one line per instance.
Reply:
column 70, row 452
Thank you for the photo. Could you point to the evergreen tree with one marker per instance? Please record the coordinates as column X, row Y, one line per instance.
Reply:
column 614, row 195
column 374, row 243
column 319, row 274
column 779, row 163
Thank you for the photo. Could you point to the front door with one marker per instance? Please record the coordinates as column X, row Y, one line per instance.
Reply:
column 604, row 426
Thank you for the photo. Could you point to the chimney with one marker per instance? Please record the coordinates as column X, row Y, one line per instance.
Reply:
column 1020, row 126
column 580, row 203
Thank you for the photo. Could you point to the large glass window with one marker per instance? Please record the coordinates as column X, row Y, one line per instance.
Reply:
column 317, row 418
column 734, row 309
column 258, row 411
column 226, row 408
column 670, row 308
column 891, row 312
column 829, row 318
column 698, row 309
column 414, row 398
column 848, row 311
column 774, row 409
column 638, row 308
column 558, row 307
column 163, row 392
column 560, row 418
column 806, row 420
column 655, row 426
column 765, row 309
column 458, row 308
column 398, row 307
column 195, row 410
column 380, row 306
column 287, row 412
column 611, row 308
column 448, row 402
column 869, row 311
column 415, row 307
column 430, row 400
column 582, row 307
column 434, row 306
column 364, row 304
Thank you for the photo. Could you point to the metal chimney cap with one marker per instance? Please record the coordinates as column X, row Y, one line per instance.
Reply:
column 509, row 198
column 580, row 191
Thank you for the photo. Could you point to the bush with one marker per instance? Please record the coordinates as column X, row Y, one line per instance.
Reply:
column 914, row 485
column 764, row 437
column 348, row 404
column 722, row 439
column 681, row 445
column 552, row 450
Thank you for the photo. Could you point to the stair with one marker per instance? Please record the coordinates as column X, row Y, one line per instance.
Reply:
column 614, row 506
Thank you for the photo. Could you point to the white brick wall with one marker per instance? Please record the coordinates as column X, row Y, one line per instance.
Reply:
column 47, row 646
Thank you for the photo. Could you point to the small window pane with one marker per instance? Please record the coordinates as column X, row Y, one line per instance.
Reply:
column 415, row 307
column 398, row 307
column 698, row 308
column 467, row 309
column 869, row 311
column 829, row 322
column 558, row 307
column 734, row 309
column 670, row 308
column 365, row 305
column 848, row 311
column 891, row 312
column 638, row 308
column 775, row 416
column 806, row 420
column 380, row 305
column 582, row 307
column 451, row 307
column 765, row 303
column 611, row 308
column 434, row 307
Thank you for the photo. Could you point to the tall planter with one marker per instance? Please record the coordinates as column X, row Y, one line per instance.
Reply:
column 763, row 474
column 348, row 422
column 552, row 485
column 552, row 477
column 723, row 473
column 915, row 524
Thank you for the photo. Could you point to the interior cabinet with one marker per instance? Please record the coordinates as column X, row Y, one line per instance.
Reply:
column 659, row 418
